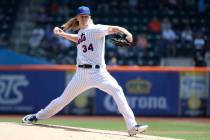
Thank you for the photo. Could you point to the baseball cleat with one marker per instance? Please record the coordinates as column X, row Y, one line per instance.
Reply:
column 29, row 119
column 137, row 129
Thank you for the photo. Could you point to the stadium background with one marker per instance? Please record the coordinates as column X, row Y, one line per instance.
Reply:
column 165, row 73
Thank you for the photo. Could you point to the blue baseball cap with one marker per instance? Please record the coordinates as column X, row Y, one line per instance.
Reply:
column 83, row 10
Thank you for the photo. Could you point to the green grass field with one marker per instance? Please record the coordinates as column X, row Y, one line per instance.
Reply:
column 190, row 130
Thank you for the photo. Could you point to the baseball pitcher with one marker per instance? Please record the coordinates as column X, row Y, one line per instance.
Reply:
column 91, row 69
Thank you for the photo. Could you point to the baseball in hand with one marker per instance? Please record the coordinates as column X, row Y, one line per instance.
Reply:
column 58, row 31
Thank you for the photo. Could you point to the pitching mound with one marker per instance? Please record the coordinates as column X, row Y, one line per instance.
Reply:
column 14, row 131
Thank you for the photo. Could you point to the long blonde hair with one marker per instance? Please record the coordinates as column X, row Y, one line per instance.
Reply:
column 71, row 24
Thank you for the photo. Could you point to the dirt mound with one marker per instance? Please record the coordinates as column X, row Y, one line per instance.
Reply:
column 14, row 131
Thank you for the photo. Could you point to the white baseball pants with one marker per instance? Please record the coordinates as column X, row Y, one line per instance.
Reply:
column 83, row 80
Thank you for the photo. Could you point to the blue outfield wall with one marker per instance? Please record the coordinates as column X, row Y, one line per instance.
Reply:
column 148, row 93
column 29, row 91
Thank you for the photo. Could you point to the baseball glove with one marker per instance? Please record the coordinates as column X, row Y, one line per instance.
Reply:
column 120, row 40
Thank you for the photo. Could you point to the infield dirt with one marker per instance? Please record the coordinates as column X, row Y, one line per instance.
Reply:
column 15, row 131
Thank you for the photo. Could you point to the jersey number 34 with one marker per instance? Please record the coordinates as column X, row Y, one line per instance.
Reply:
column 87, row 48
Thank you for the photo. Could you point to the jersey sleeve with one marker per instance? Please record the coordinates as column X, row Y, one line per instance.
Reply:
column 102, row 30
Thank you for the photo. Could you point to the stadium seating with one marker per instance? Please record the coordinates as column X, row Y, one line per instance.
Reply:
column 8, row 12
column 136, row 20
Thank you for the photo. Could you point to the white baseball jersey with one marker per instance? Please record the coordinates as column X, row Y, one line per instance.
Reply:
column 91, row 45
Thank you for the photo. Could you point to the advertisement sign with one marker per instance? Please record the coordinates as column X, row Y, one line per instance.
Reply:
column 29, row 91
column 193, row 93
column 148, row 93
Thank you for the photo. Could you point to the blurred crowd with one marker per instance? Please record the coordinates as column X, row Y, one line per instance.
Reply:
column 178, row 43
column 7, row 12
column 169, row 42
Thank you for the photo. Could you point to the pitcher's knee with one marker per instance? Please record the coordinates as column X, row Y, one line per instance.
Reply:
column 117, row 90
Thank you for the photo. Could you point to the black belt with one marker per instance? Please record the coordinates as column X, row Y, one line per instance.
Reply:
column 88, row 66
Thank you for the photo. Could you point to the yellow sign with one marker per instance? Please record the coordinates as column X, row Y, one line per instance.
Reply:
column 138, row 86
column 194, row 103
column 81, row 101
